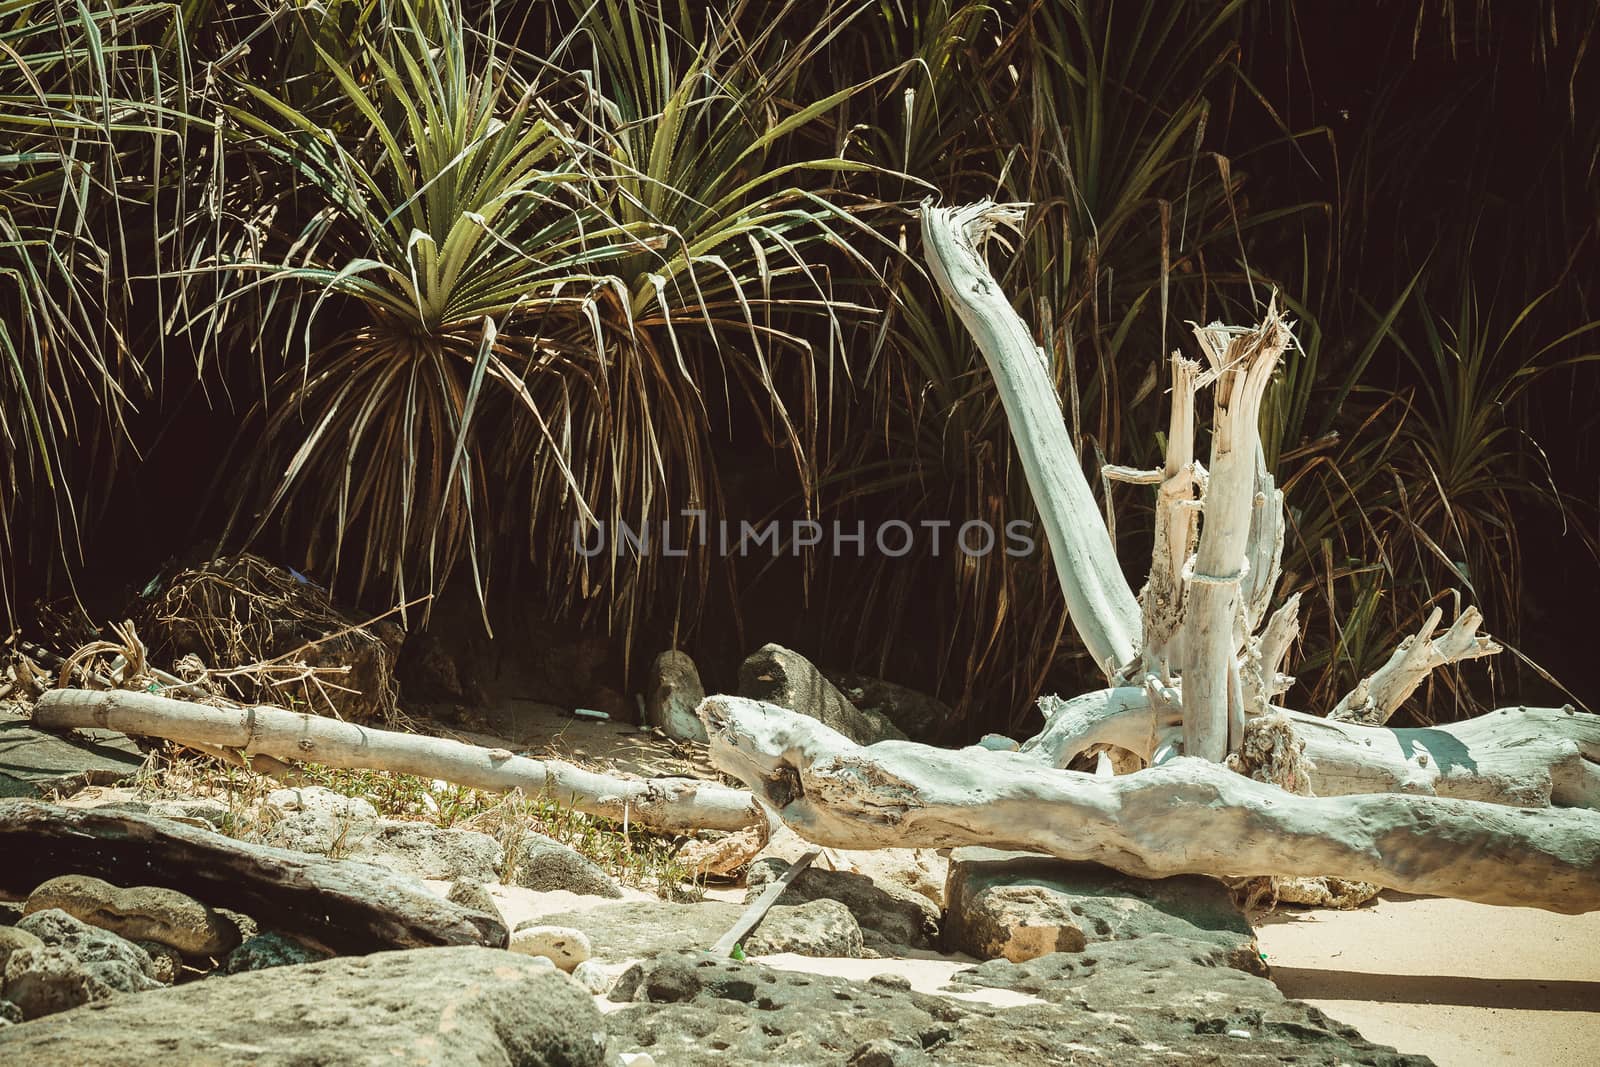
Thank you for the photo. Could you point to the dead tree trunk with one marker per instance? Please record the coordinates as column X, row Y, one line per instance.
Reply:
column 675, row 804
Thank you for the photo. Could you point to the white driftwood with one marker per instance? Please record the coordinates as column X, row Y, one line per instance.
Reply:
column 1186, row 816
column 1521, row 757
column 1099, row 601
column 1262, row 672
column 1161, row 601
column 1213, row 707
column 1381, row 694
column 675, row 804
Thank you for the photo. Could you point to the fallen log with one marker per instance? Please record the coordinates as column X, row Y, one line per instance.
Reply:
column 672, row 804
column 344, row 905
column 1522, row 757
column 1187, row 816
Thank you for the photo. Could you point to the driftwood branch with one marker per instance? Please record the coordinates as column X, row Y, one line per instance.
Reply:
column 1242, row 363
column 1381, row 694
column 1099, row 601
column 1161, row 601
column 663, row 803
column 1186, row 816
column 345, row 905
column 1521, row 757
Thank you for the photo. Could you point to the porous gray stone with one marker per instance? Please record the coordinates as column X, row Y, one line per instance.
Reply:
column 671, row 694
column 270, row 949
column 424, row 851
column 12, row 939
column 436, row 1007
column 917, row 715
column 474, row 895
column 816, row 928
column 544, row 864
column 639, row 929
column 891, row 916
column 783, row 677
column 43, row 981
column 317, row 819
column 144, row 913
column 1144, row 1004
column 999, row 903
column 88, row 944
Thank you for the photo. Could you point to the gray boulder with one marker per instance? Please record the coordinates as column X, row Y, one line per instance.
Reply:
column 12, row 939
column 544, row 864
column 270, row 949
column 891, row 917
column 919, row 716
column 87, row 944
column 424, row 851
column 816, row 928
column 437, row 1006
column 671, row 694
column 1150, row 1009
column 318, row 820
column 640, row 929
column 474, row 895
column 785, row 678
column 1018, row 905
column 144, row 913
column 43, row 981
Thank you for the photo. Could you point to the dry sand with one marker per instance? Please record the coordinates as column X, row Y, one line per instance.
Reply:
column 1467, row 984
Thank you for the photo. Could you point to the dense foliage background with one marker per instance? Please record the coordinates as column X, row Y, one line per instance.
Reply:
column 397, row 293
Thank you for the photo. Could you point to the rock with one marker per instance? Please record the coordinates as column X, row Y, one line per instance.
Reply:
column 9, row 1012
column 640, row 929
column 12, row 939
column 88, row 944
column 43, row 981
column 34, row 763
column 671, row 694
column 815, row 928
column 921, row 870
column 544, row 864
column 891, row 918
column 1013, row 922
column 1153, row 1008
column 917, row 715
column 988, row 891
column 721, row 854
column 317, row 820
column 778, row 676
column 121, row 977
column 561, row 945
column 596, row 977
column 425, row 851
column 474, row 895
column 10, row 912
column 270, row 949
column 437, row 1006
column 166, row 962
column 144, row 913
column 200, row 811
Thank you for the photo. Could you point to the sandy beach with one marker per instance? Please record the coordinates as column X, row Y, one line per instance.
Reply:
column 1467, row 984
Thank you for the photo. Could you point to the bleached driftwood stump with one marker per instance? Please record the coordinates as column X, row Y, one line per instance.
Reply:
column 1498, row 809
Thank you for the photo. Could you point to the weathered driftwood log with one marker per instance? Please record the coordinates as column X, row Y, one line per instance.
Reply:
column 1523, row 757
column 347, row 906
column 674, row 804
column 1099, row 601
column 1186, row 816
